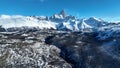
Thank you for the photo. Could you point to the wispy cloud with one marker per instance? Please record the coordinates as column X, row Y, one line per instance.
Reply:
column 112, row 19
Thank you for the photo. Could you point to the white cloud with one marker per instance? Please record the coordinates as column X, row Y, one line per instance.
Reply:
column 112, row 19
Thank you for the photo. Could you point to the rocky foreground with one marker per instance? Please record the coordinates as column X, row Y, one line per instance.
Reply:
column 58, row 49
column 29, row 50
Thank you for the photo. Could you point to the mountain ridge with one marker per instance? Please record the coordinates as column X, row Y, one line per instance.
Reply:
column 60, row 21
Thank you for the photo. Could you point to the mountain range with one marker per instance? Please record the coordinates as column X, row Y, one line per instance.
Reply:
column 58, row 41
column 60, row 21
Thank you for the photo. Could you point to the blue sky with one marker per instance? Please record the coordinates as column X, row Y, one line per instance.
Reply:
column 80, row 8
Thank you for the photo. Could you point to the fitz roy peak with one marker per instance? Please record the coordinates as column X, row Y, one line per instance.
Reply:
column 58, row 41
column 60, row 21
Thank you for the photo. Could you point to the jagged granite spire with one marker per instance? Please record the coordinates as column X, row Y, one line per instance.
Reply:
column 63, row 13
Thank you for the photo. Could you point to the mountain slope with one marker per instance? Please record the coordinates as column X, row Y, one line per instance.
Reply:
column 57, row 21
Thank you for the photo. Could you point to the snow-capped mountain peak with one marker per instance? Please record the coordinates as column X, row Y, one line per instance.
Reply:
column 84, row 24
column 95, row 19
column 59, row 21
column 63, row 13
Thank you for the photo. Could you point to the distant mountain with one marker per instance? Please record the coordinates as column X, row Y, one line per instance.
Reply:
column 57, row 21
column 58, row 41
column 60, row 21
